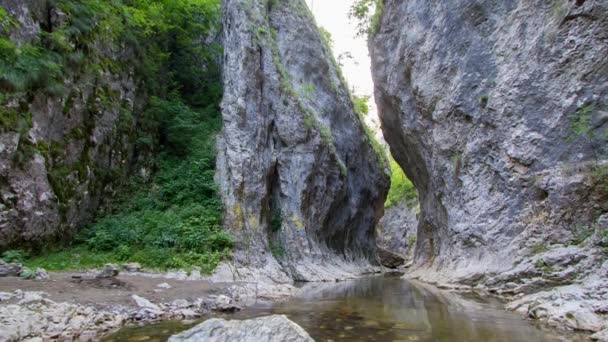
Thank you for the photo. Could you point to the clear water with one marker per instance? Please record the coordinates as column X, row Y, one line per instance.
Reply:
column 384, row 309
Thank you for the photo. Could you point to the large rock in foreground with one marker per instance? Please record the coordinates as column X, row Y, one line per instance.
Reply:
column 276, row 328
column 300, row 180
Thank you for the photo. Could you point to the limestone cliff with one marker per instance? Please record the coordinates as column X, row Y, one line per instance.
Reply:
column 64, row 133
column 497, row 112
column 301, row 182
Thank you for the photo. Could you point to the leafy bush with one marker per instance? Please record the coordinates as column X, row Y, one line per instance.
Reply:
column 402, row 189
column 360, row 103
column 16, row 256
column 172, row 219
column 367, row 14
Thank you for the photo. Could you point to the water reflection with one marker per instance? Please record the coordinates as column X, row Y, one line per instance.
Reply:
column 391, row 309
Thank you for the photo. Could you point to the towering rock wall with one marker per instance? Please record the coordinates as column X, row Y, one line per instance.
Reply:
column 64, row 135
column 497, row 110
column 301, row 183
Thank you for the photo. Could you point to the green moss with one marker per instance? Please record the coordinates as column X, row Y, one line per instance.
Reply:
column 539, row 248
column 483, row 101
column 276, row 221
column 325, row 134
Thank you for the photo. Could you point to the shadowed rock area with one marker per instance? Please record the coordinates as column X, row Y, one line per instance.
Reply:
column 302, row 185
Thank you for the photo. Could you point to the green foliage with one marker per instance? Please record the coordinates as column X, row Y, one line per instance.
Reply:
column 483, row 101
column 27, row 273
column 411, row 241
column 17, row 256
column 325, row 134
column 175, row 220
column 543, row 267
column 580, row 233
column 326, row 36
column 276, row 249
column 402, row 189
column 540, row 247
column 6, row 22
column 599, row 176
column 361, row 106
column 580, row 122
column 367, row 14
column 276, row 220
column 362, row 109
column 172, row 220
column 179, row 214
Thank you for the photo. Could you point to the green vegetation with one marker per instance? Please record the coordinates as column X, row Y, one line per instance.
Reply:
column 276, row 220
column 367, row 14
column 13, row 256
column 539, row 248
column 483, row 101
column 360, row 104
column 362, row 109
column 171, row 219
column 581, row 126
column 402, row 189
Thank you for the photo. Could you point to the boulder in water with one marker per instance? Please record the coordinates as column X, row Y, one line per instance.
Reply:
column 390, row 259
column 276, row 328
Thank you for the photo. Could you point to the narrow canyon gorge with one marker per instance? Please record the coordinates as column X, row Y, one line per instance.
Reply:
column 218, row 142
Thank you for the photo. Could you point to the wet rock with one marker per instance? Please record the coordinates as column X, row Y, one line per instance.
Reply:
column 108, row 271
column 144, row 303
column 276, row 328
column 9, row 269
column 186, row 314
column 132, row 267
column 163, row 286
column 390, row 259
column 220, row 303
column 299, row 159
column 41, row 275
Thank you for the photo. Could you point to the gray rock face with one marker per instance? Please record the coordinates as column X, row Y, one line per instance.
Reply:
column 497, row 112
column 397, row 230
column 301, row 183
column 479, row 102
column 265, row 329
column 54, row 171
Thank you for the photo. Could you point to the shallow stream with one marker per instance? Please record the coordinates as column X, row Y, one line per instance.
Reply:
column 384, row 309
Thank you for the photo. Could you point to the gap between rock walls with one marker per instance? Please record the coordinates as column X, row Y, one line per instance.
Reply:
column 220, row 139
